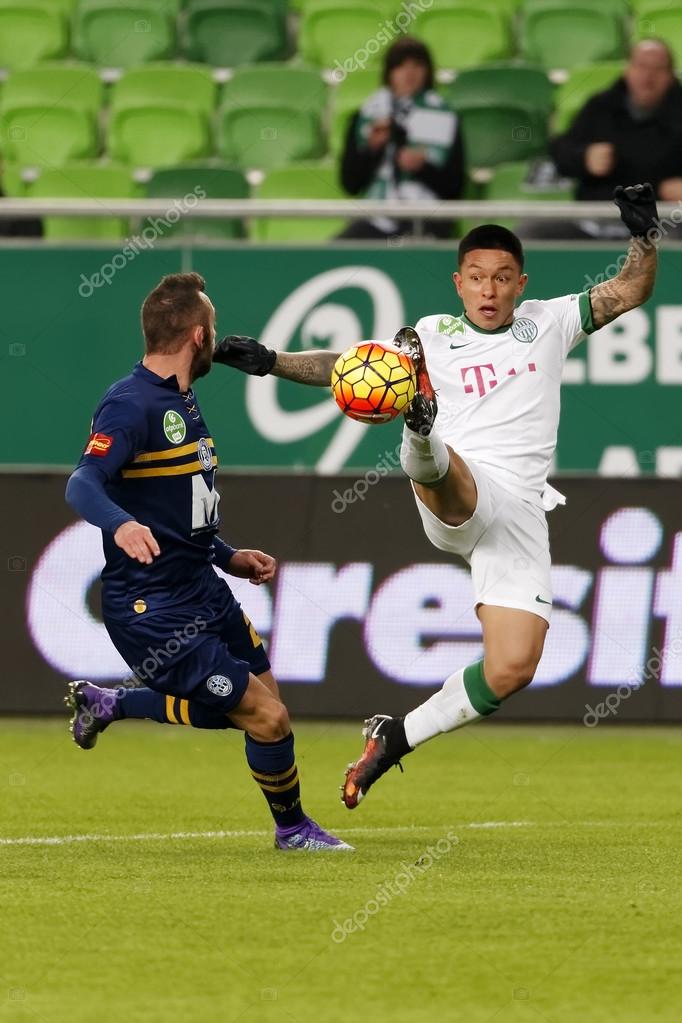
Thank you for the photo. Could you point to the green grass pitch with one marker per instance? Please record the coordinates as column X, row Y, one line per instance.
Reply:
column 551, row 891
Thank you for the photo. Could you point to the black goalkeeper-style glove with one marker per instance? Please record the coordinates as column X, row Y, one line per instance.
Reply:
column 245, row 354
column 637, row 205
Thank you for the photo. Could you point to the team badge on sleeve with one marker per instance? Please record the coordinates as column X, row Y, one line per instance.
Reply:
column 99, row 444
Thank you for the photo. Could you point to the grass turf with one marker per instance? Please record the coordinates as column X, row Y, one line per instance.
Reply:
column 555, row 897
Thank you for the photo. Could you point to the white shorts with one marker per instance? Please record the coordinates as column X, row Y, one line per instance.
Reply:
column 506, row 544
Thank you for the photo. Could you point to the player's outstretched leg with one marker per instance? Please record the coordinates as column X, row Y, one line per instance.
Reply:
column 512, row 640
column 465, row 697
column 95, row 708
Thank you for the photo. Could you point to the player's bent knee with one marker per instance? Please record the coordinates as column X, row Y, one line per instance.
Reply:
column 274, row 722
column 509, row 675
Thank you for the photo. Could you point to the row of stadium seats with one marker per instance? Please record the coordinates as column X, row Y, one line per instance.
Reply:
column 264, row 116
column 313, row 180
column 334, row 34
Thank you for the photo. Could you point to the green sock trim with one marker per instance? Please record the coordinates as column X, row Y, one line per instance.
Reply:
column 482, row 698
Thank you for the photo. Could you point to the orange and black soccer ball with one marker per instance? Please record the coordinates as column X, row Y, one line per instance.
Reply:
column 373, row 382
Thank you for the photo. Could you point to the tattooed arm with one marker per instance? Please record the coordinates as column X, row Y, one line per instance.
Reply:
column 247, row 355
column 314, row 368
column 630, row 288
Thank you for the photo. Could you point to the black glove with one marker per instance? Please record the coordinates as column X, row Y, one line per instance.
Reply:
column 637, row 205
column 246, row 354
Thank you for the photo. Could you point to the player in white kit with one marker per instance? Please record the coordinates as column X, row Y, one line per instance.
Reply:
column 478, row 455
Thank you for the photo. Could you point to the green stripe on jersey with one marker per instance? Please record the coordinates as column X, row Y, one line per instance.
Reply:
column 585, row 306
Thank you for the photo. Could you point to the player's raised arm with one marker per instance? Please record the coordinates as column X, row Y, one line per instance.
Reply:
column 249, row 356
column 635, row 282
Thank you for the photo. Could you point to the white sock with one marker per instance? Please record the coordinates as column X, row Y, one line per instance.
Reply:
column 447, row 709
column 424, row 459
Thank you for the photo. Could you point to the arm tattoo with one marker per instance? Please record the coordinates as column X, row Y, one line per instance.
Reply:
column 314, row 368
column 629, row 289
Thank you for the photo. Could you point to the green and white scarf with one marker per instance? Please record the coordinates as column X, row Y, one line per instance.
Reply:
column 428, row 123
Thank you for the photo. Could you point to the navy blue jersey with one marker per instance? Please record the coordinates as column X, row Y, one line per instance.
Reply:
column 151, row 454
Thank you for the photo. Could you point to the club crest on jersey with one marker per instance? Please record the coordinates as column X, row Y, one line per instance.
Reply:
column 219, row 685
column 450, row 325
column 204, row 452
column 174, row 427
column 524, row 330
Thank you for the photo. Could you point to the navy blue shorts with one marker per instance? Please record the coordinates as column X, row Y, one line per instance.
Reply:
column 203, row 654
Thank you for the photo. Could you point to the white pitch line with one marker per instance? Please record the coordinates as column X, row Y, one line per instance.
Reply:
column 183, row 835
column 174, row 836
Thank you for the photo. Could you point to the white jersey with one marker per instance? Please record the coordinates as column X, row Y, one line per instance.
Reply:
column 498, row 390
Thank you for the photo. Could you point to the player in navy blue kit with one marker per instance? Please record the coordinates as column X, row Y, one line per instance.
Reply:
column 146, row 479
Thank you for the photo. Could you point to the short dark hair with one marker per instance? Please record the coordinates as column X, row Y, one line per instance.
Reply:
column 404, row 49
column 171, row 309
column 491, row 236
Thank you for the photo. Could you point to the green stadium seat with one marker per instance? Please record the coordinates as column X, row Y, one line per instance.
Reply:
column 619, row 8
column 123, row 33
column 73, row 85
column 11, row 181
column 558, row 36
column 294, row 85
column 84, row 181
column 261, row 128
column 31, row 32
column 160, row 115
column 504, row 111
column 333, row 31
column 37, row 134
column 511, row 181
column 581, row 84
column 229, row 32
column 347, row 97
column 663, row 20
column 189, row 85
column 218, row 181
column 464, row 34
column 299, row 181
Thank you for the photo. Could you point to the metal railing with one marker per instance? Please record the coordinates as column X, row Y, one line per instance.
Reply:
column 422, row 210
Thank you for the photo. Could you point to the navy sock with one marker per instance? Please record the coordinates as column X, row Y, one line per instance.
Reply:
column 146, row 703
column 273, row 766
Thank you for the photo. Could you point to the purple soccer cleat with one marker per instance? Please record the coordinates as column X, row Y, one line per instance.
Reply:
column 310, row 837
column 93, row 709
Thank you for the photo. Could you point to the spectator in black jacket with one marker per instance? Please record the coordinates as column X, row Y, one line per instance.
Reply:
column 630, row 132
column 403, row 143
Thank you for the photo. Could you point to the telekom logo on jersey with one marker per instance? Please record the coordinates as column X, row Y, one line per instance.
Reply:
column 485, row 377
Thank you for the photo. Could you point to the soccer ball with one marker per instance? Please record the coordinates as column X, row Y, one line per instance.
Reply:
column 373, row 382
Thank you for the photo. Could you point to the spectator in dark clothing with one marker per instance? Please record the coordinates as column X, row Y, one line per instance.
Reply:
column 403, row 143
column 630, row 132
